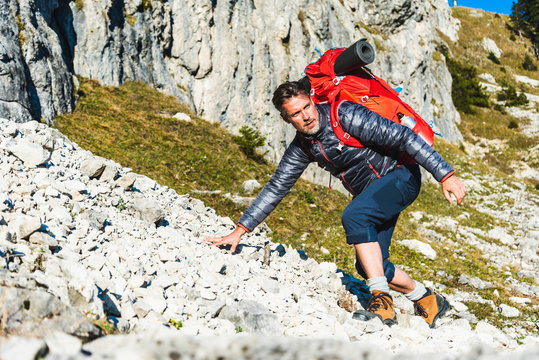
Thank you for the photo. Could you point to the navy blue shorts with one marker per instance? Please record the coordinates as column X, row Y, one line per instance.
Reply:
column 373, row 214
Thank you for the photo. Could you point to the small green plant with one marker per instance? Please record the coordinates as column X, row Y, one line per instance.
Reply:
column 510, row 96
column 249, row 140
column 512, row 37
column 239, row 329
column 493, row 58
column 21, row 26
column 121, row 204
column 512, row 124
column 502, row 69
column 104, row 325
column 528, row 64
column 177, row 324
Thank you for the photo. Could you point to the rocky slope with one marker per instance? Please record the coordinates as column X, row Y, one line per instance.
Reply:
column 82, row 235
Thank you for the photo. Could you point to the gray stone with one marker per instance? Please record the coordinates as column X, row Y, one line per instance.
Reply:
column 109, row 173
column 30, row 311
column 23, row 348
column 474, row 282
column 93, row 166
column 30, row 153
column 144, row 184
column 490, row 46
column 508, row 311
column 421, row 247
column 25, row 226
column 41, row 238
column 62, row 344
column 250, row 185
column 252, row 316
column 127, row 180
column 182, row 116
column 148, row 209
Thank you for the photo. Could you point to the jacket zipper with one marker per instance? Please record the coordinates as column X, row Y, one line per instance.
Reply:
column 324, row 154
column 373, row 169
column 346, row 183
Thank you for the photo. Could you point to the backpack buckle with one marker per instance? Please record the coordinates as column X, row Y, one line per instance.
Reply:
column 339, row 147
column 312, row 92
column 337, row 80
column 364, row 98
column 346, row 136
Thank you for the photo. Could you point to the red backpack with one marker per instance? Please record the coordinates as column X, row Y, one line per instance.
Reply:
column 362, row 87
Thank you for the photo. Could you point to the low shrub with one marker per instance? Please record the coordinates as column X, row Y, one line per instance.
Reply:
column 528, row 64
column 510, row 96
column 249, row 140
column 512, row 124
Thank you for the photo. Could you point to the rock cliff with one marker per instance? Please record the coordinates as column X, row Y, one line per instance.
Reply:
column 223, row 58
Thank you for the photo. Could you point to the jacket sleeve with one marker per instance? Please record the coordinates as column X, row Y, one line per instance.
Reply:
column 291, row 166
column 372, row 129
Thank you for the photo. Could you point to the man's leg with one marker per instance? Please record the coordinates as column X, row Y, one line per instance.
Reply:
column 369, row 221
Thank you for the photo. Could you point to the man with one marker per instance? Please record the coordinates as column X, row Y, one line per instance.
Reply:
column 381, row 187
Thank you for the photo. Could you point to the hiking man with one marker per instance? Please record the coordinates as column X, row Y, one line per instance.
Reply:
column 381, row 187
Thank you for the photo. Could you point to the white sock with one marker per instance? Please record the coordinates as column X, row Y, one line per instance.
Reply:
column 378, row 283
column 419, row 291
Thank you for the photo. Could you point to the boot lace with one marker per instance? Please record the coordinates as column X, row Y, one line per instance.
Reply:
column 420, row 310
column 378, row 301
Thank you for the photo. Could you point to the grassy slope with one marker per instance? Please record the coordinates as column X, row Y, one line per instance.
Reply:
column 133, row 125
column 487, row 122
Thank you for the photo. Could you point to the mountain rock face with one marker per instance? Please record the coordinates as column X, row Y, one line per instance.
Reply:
column 80, row 234
column 223, row 58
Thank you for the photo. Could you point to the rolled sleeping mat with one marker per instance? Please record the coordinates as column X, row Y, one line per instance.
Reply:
column 359, row 54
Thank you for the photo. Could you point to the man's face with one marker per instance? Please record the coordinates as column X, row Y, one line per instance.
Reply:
column 301, row 113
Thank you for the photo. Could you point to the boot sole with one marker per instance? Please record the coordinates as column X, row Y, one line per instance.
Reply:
column 363, row 315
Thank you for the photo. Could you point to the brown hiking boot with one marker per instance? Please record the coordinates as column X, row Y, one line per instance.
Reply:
column 380, row 306
column 431, row 307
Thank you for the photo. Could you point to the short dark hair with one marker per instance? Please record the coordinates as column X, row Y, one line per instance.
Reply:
column 287, row 90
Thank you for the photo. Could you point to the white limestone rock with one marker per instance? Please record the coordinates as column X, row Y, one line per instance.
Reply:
column 25, row 225
column 31, row 154
column 508, row 311
column 182, row 116
column 474, row 282
column 249, row 186
column 93, row 166
column 24, row 348
column 487, row 77
column 421, row 247
column 490, row 46
column 62, row 344
column 148, row 210
column 500, row 234
column 44, row 239
column 144, row 184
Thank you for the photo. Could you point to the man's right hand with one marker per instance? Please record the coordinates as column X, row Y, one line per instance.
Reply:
column 232, row 239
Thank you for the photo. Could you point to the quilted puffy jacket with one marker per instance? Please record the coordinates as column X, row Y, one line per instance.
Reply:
column 356, row 167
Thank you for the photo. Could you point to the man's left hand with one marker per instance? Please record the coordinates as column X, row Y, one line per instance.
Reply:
column 456, row 187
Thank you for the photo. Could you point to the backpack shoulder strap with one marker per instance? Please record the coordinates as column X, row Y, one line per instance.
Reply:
column 343, row 136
